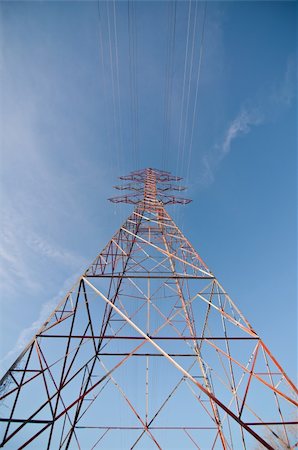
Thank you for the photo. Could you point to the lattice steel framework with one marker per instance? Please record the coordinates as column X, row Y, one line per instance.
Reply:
column 147, row 351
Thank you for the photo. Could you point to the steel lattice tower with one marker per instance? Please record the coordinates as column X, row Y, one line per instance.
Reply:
column 147, row 351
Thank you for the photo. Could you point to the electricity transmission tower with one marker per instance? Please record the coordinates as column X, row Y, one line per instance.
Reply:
column 147, row 351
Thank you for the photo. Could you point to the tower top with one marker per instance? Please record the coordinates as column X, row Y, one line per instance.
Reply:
column 150, row 188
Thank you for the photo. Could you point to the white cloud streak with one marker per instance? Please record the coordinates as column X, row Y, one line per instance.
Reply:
column 284, row 93
column 18, row 243
column 41, row 199
column 26, row 335
column 279, row 98
column 241, row 125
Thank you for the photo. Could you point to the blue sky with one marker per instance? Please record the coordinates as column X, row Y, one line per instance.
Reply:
column 67, row 133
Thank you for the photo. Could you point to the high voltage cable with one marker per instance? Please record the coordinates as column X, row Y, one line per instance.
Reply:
column 105, row 90
column 183, row 88
column 166, row 76
column 118, row 84
column 169, row 82
column 102, row 60
column 189, row 84
column 183, row 84
column 132, row 49
column 113, row 81
column 131, row 76
column 188, row 112
column 197, row 90
column 187, row 120
column 136, row 90
column 194, row 113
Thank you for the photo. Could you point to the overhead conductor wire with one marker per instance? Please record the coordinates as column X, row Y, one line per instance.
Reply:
column 197, row 91
column 166, row 76
column 113, row 85
column 183, row 85
column 194, row 114
column 102, row 62
column 109, row 141
column 132, row 50
column 118, row 84
column 121, row 145
column 189, row 85
column 136, row 89
column 169, row 81
column 181, row 121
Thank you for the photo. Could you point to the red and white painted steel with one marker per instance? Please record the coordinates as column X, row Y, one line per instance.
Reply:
column 147, row 350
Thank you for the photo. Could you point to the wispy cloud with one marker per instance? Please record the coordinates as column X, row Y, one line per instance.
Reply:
column 26, row 335
column 13, row 266
column 252, row 113
column 18, row 243
column 242, row 124
column 49, row 250
column 48, row 181
column 239, row 126
column 283, row 94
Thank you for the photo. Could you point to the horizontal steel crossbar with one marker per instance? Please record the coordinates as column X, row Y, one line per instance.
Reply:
column 170, row 338
column 146, row 276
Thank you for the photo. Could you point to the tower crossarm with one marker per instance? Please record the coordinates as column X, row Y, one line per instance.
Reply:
column 150, row 188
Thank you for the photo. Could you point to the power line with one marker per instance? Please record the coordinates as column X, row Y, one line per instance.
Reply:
column 132, row 50
column 197, row 90
column 183, row 88
column 103, row 71
column 169, row 82
column 184, row 84
column 189, row 83
column 118, row 85
column 113, row 83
